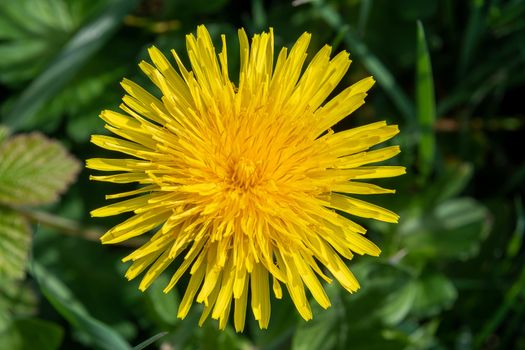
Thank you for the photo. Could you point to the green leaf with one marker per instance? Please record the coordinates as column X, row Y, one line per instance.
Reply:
column 30, row 34
column 92, row 89
column 211, row 338
column 30, row 334
column 15, row 240
column 187, row 332
column 375, row 337
column 454, row 229
column 423, row 297
column 33, row 31
column 426, row 105
column 281, row 327
column 188, row 335
column 4, row 133
column 34, row 170
column 162, row 306
column 17, row 299
column 424, row 336
column 451, row 182
column 435, row 292
column 356, row 320
column 86, row 42
column 399, row 303
column 321, row 333
column 98, row 333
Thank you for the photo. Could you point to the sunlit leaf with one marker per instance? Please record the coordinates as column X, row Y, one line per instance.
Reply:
column 34, row 170
column 4, row 133
column 17, row 299
column 15, row 239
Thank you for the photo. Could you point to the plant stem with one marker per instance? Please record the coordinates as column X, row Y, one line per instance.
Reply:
column 69, row 227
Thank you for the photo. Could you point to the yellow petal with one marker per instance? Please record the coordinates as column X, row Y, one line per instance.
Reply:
column 360, row 188
column 362, row 158
column 361, row 208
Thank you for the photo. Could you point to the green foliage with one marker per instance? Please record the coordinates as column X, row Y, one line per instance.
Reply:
column 453, row 229
column 369, row 60
column 98, row 334
column 32, row 333
column 426, row 105
column 322, row 332
column 149, row 341
column 16, row 298
column 4, row 133
column 72, row 56
column 34, row 170
column 15, row 238
column 450, row 275
column 433, row 293
column 162, row 306
column 32, row 32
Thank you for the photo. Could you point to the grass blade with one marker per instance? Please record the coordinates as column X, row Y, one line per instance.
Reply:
column 364, row 15
column 86, row 42
column 150, row 341
column 516, row 242
column 426, row 104
column 473, row 33
column 369, row 60
column 510, row 301
column 64, row 302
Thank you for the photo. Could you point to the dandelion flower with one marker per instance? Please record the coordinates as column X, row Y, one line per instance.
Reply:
column 245, row 184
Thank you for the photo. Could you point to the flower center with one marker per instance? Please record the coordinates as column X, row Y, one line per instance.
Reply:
column 245, row 173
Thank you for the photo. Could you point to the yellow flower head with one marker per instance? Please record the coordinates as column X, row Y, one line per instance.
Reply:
column 244, row 183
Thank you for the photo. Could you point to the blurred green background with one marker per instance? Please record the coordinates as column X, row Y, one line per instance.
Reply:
column 450, row 73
